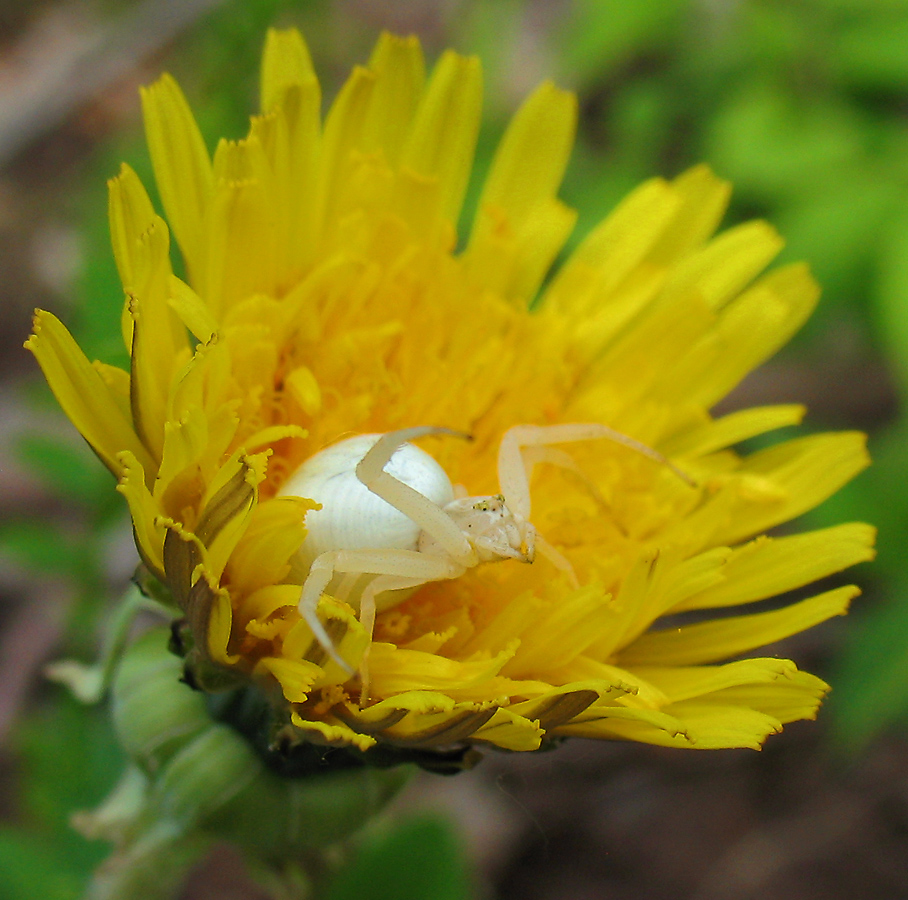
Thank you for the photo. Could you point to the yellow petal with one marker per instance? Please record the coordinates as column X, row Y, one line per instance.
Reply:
column 560, row 632
column 344, row 629
column 518, row 204
column 400, row 69
column 130, row 213
column 220, row 624
column 193, row 312
column 643, row 359
column 692, row 726
column 806, row 471
column 715, row 727
column 295, row 676
column 657, row 582
column 796, row 697
column 510, row 731
column 228, row 508
column 342, row 136
column 612, row 253
column 149, row 534
column 393, row 670
column 117, row 380
column 179, row 483
column 83, row 394
column 159, row 340
column 750, row 330
column 242, row 237
column 680, row 683
column 646, row 725
column 727, row 265
column 532, row 156
column 290, row 137
column 733, row 429
column 285, row 63
column 331, row 734
column 615, row 685
column 377, row 718
column 265, row 601
column 182, row 169
column 710, row 641
column 704, row 198
column 443, row 137
column 303, row 387
column 561, row 704
column 440, row 729
column 767, row 567
column 511, row 257
column 262, row 555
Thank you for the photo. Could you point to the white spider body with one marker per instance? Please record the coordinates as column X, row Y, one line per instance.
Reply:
column 352, row 517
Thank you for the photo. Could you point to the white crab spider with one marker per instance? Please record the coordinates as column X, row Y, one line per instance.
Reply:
column 389, row 514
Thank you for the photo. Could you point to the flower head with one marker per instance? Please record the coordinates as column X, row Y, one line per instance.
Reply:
column 325, row 295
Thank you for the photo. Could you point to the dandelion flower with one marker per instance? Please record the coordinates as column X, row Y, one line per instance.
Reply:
column 325, row 295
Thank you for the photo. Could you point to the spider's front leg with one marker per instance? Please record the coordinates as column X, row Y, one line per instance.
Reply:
column 513, row 475
column 430, row 517
column 524, row 445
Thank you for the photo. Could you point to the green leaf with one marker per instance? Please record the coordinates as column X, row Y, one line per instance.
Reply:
column 605, row 34
column 870, row 53
column 880, row 496
column 43, row 546
column 67, row 468
column 422, row 858
column 70, row 760
column 891, row 295
column 836, row 225
column 861, row 7
column 871, row 678
column 871, row 686
column 31, row 867
column 772, row 145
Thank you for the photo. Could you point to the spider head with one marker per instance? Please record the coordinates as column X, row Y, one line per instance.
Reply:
column 493, row 530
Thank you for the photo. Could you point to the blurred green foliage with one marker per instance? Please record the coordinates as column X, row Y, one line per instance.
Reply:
column 70, row 760
column 800, row 103
column 420, row 858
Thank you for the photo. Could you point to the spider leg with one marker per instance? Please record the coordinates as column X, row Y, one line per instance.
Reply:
column 345, row 588
column 430, row 518
column 320, row 574
column 555, row 456
column 368, row 609
column 409, row 564
column 512, row 471
column 557, row 559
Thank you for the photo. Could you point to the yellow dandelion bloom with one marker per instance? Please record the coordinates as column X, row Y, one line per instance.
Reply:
column 325, row 295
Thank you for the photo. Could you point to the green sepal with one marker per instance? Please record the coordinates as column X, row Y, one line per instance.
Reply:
column 154, row 589
column 154, row 713
column 201, row 674
column 206, row 774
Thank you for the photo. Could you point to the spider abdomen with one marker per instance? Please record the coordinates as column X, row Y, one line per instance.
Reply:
column 352, row 517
